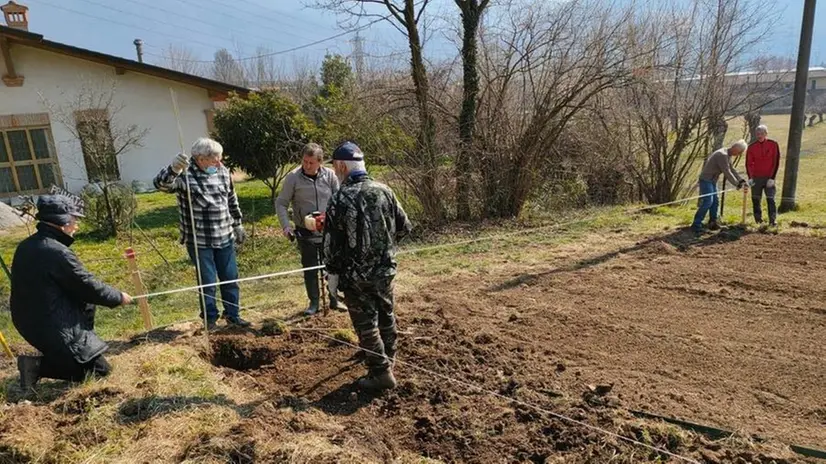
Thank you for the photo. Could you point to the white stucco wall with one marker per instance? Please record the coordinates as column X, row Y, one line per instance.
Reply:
column 146, row 103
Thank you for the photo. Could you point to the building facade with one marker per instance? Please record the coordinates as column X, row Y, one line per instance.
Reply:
column 38, row 75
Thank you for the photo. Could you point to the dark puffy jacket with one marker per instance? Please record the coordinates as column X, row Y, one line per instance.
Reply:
column 53, row 297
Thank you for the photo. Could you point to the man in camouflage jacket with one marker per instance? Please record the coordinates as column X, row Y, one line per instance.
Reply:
column 364, row 221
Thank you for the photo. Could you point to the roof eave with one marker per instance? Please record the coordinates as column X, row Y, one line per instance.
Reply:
column 34, row 40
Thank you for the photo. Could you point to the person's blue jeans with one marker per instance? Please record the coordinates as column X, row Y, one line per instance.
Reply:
column 708, row 204
column 218, row 264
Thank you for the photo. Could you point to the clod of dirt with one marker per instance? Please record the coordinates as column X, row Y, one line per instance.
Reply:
column 272, row 327
column 601, row 390
column 241, row 353
column 85, row 401
column 799, row 224
column 513, row 318
column 483, row 338
column 664, row 248
column 344, row 336
column 560, row 368
column 235, row 450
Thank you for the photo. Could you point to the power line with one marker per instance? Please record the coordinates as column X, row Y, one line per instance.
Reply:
column 300, row 47
column 113, row 21
column 224, row 14
column 267, row 7
column 219, row 26
column 195, row 31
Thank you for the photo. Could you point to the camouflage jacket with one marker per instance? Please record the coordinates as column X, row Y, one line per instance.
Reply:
column 364, row 221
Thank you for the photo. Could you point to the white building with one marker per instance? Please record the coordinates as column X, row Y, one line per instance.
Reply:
column 36, row 150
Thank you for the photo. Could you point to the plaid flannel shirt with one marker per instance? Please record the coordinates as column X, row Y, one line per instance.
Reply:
column 214, row 201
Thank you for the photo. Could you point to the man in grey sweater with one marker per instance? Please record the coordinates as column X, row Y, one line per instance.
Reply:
column 717, row 163
column 308, row 188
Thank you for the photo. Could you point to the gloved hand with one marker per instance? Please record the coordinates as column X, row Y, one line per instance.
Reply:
column 770, row 183
column 751, row 182
column 332, row 284
column 743, row 184
column 179, row 163
column 240, row 234
column 288, row 233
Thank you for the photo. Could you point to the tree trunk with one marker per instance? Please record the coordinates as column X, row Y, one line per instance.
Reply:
column 471, row 16
column 753, row 120
column 109, row 213
column 718, row 132
column 427, row 136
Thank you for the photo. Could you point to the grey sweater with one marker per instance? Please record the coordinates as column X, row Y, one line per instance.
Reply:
column 307, row 195
column 718, row 163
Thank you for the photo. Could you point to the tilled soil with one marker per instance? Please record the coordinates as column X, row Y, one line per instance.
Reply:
column 725, row 331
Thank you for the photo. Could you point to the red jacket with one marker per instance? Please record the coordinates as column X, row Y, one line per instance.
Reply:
column 763, row 159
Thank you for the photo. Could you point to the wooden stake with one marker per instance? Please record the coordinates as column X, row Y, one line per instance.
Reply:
column 6, row 346
column 139, row 288
column 325, row 302
column 745, row 201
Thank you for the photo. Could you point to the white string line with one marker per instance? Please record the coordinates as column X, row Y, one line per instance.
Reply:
column 519, row 402
column 419, row 250
column 320, row 333
column 550, row 226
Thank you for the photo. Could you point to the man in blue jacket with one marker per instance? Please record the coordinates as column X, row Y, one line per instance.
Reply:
column 53, row 299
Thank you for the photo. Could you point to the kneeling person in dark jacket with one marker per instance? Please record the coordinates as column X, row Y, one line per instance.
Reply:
column 53, row 299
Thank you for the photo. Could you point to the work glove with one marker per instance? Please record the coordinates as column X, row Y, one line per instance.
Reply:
column 332, row 284
column 751, row 182
column 240, row 234
column 770, row 183
column 288, row 233
column 743, row 184
column 179, row 163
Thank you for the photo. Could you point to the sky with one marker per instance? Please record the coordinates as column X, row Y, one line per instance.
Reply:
column 244, row 27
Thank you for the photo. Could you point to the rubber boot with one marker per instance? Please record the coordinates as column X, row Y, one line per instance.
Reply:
column 29, row 367
column 312, row 308
column 377, row 382
column 713, row 225
column 337, row 304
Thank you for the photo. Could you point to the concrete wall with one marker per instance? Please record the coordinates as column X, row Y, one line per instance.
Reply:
column 146, row 103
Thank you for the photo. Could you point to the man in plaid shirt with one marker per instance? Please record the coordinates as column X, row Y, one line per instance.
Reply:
column 217, row 223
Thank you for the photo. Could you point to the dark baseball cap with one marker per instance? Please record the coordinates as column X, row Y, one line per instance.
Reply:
column 348, row 151
column 58, row 209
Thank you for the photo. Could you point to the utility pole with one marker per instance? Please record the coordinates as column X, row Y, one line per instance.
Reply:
column 139, row 48
column 358, row 56
column 796, row 124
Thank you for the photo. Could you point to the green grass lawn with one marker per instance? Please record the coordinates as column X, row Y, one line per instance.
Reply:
column 267, row 251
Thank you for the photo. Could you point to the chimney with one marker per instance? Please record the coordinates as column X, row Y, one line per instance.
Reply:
column 139, row 48
column 16, row 16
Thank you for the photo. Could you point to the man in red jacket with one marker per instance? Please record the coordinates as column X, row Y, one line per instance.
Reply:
column 762, row 163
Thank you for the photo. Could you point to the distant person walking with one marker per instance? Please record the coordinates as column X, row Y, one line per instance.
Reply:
column 717, row 163
column 308, row 188
column 762, row 163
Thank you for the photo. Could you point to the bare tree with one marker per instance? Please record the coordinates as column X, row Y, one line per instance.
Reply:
column 91, row 114
column 260, row 70
column 406, row 16
column 226, row 69
column 182, row 58
column 689, row 83
column 539, row 68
